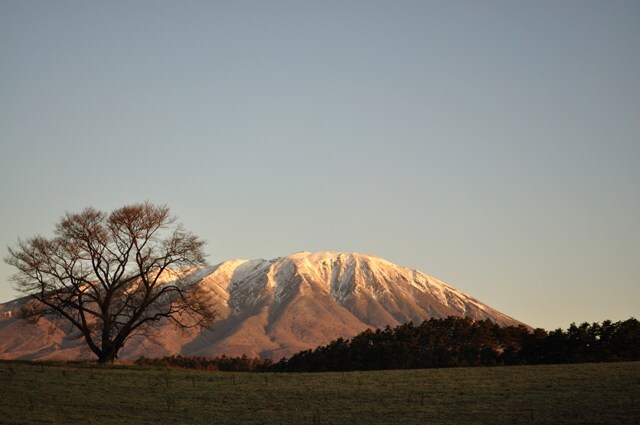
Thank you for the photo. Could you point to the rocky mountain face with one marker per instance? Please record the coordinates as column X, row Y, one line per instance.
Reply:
column 272, row 309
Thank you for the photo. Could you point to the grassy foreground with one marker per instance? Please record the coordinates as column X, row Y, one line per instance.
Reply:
column 606, row 393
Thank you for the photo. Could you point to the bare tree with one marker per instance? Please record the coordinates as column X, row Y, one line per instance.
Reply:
column 114, row 275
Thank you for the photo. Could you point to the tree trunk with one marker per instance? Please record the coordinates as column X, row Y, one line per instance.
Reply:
column 108, row 354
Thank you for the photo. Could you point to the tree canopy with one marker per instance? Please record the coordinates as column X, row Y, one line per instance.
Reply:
column 113, row 275
column 460, row 341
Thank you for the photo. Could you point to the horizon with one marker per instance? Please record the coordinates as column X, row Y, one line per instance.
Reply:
column 493, row 146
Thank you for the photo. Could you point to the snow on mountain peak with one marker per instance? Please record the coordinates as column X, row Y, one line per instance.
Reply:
column 345, row 277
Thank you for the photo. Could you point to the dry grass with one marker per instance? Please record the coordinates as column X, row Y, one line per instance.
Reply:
column 40, row 393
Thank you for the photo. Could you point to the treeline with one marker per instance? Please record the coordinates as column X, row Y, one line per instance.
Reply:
column 222, row 363
column 437, row 343
column 456, row 341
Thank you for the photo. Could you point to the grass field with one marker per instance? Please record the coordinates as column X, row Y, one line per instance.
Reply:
column 564, row 394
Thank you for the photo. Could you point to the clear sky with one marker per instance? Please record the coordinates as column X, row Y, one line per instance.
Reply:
column 492, row 144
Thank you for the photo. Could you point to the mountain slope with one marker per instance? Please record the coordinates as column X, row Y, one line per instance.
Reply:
column 273, row 308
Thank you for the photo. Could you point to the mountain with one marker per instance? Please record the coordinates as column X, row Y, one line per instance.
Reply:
column 271, row 308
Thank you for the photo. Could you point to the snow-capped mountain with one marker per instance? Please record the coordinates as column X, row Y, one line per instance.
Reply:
column 273, row 308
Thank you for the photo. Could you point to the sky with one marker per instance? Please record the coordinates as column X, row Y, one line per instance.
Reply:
column 491, row 144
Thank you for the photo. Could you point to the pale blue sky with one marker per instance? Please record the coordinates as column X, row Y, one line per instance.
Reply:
column 492, row 144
